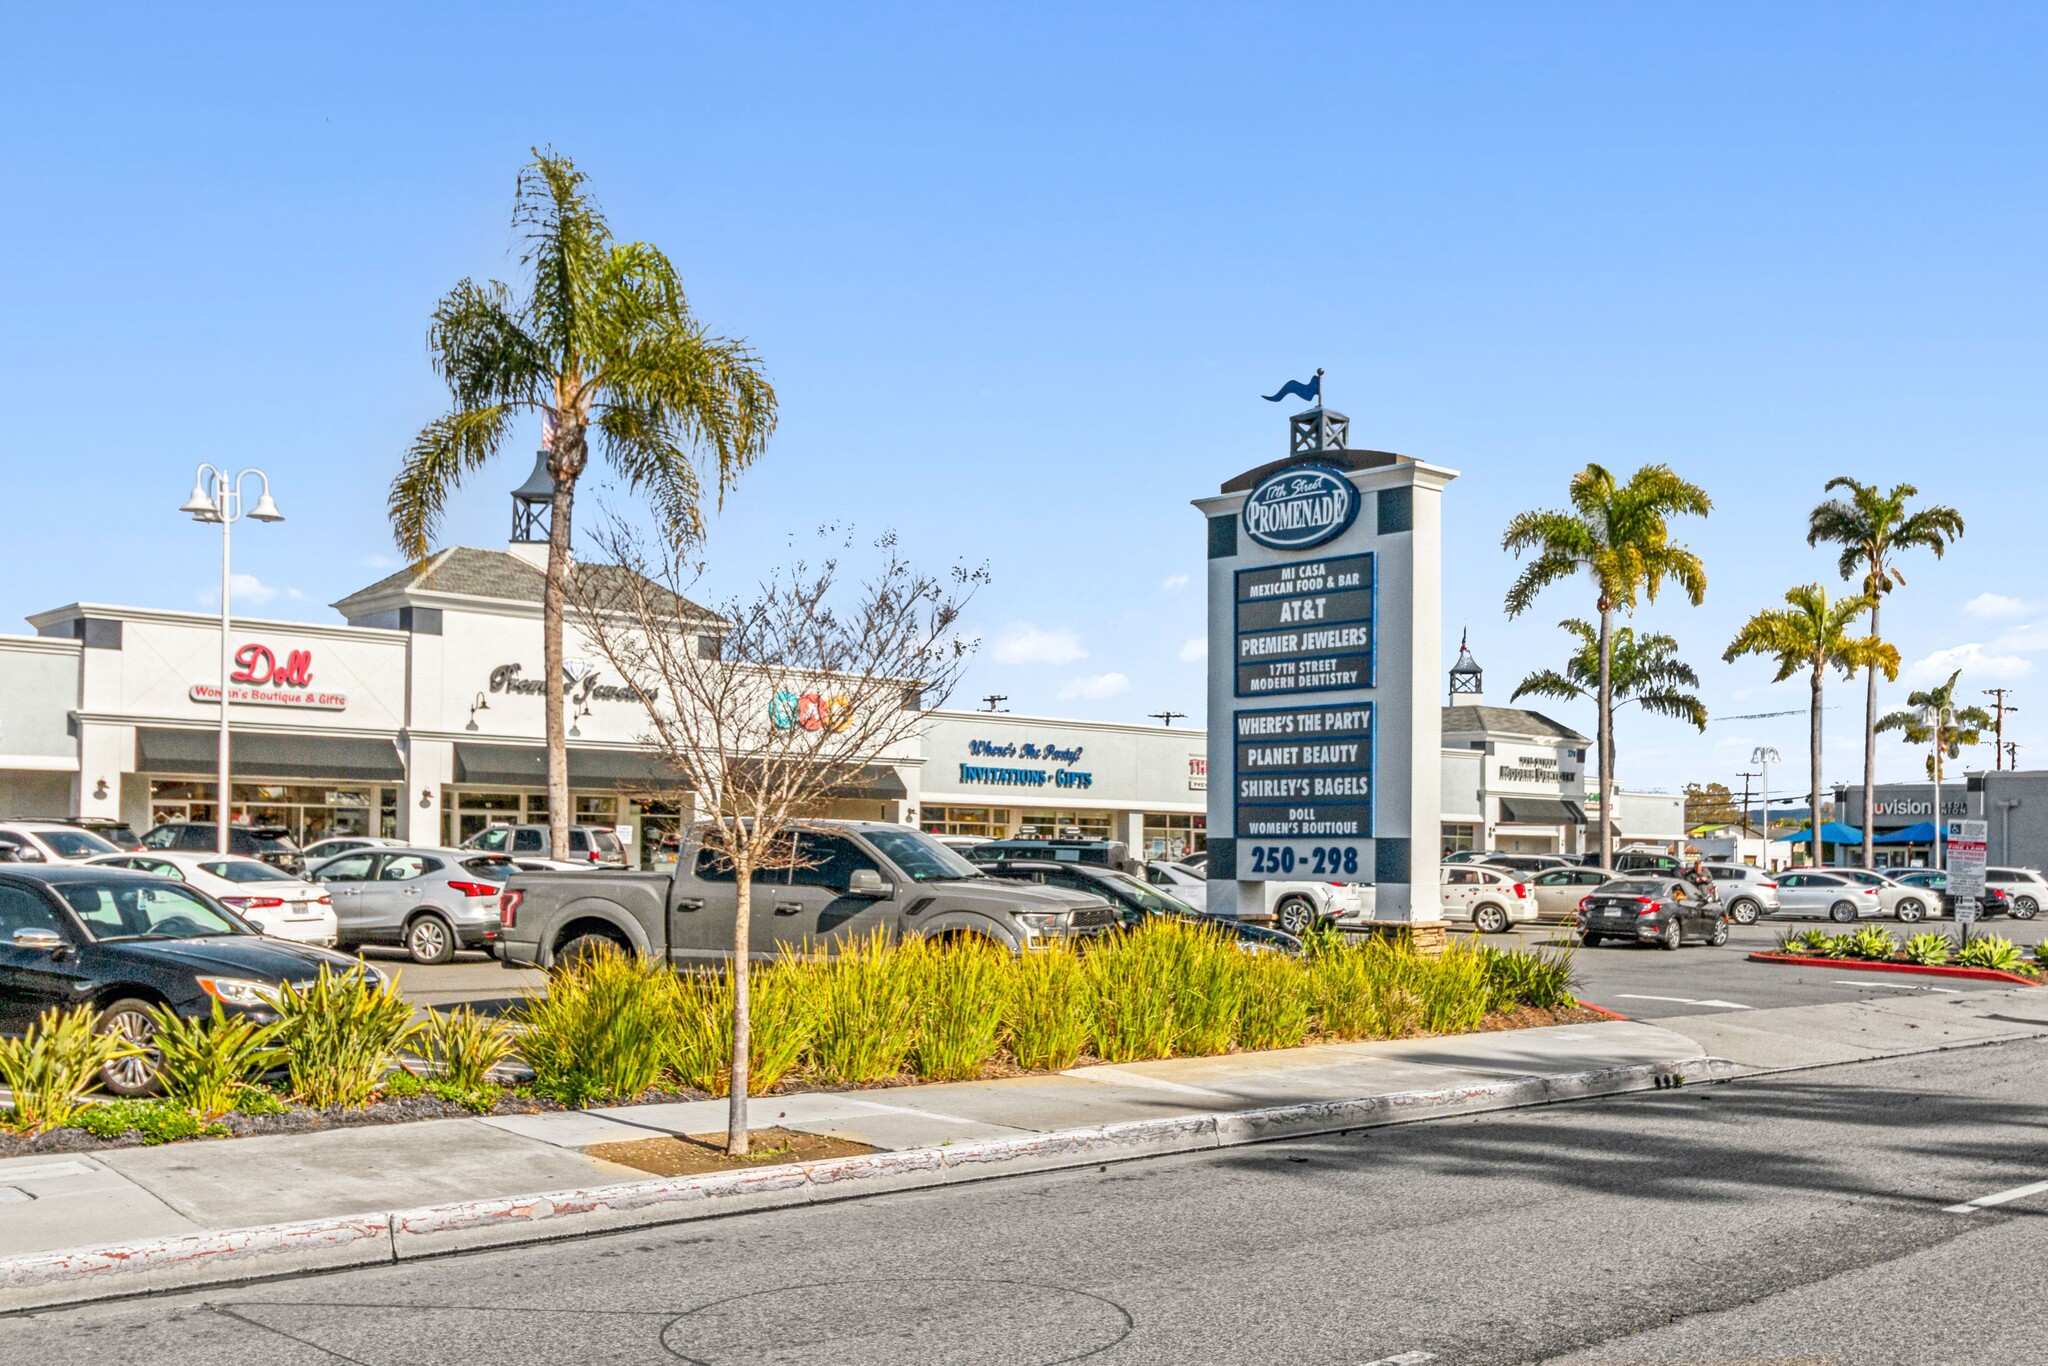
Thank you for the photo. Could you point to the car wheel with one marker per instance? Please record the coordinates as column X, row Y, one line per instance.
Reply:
column 134, row 1075
column 1720, row 934
column 1910, row 911
column 2023, row 908
column 1296, row 916
column 1745, row 911
column 586, row 945
column 429, row 940
column 1490, row 919
column 1674, row 934
column 1842, row 912
column 1589, row 941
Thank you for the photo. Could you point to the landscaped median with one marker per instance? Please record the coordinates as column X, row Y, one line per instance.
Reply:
column 1985, row 957
column 612, row 1029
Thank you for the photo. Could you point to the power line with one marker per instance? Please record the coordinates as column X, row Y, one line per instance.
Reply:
column 1167, row 717
column 1761, row 715
column 994, row 698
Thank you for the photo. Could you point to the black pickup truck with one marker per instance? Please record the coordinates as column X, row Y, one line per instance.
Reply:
column 848, row 879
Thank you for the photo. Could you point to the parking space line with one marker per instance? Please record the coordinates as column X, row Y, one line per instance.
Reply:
column 1894, row 986
column 1997, row 1198
column 1681, row 1000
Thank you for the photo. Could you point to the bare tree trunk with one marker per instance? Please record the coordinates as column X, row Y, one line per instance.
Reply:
column 1813, row 754
column 569, row 455
column 1870, row 752
column 737, row 1130
column 1606, row 728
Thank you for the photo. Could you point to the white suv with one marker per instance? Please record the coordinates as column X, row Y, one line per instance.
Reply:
column 51, row 842
column 2025, row 890
column 1748, row 893
column 1491, row 898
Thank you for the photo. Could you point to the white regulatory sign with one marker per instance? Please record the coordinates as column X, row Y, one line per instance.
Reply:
column 1967, row 846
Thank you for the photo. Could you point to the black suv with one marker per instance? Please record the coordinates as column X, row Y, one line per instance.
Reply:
column 1092, row 853
column 271, row 843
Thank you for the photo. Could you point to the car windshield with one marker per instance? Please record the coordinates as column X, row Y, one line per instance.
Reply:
column 139, row 909
column 1151, row 898
column 922, row 858
column 1632, row 889
column 492, row 867
column 75, row 843
column 236, row 871
column 607, row 842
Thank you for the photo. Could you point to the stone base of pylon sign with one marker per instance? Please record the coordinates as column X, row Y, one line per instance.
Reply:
column 1428, row 937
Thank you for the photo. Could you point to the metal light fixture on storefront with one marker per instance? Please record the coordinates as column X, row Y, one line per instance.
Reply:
column 479, row 705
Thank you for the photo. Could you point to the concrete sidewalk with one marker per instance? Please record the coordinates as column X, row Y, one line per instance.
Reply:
column 115, row 1222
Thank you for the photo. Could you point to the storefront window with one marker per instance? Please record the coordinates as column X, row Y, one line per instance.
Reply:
column 308, row 811
column 991, row 821
column 1175, row 835
column 1460, row 839
column 1087, row 825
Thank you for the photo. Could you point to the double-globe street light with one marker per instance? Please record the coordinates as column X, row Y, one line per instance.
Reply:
column 217, row 497
column 1763, row 756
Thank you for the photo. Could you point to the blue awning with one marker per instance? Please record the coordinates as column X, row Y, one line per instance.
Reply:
column 1923, row 833
column 1831, row 832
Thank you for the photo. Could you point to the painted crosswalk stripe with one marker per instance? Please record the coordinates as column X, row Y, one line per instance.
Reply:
column 1997, row 1198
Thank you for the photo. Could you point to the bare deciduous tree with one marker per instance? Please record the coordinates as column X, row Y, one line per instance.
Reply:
column 792, row 697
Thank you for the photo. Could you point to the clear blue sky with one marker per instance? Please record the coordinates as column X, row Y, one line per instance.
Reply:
column 1021, row 273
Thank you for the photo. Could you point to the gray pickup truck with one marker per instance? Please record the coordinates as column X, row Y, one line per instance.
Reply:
column 851, row 878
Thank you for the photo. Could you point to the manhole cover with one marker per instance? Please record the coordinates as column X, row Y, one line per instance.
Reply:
column 900, row 1321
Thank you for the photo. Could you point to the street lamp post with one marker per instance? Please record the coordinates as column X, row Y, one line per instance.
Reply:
column 1763, row 756
column 217, row 497
column 1935, row 718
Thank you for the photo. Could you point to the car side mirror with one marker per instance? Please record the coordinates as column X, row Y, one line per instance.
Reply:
column 866, row 882
column 38, row 939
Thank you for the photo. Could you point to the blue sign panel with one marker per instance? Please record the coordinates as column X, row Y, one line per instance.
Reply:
column 1300, row 507
column 1304, row 627
column 1303, row 791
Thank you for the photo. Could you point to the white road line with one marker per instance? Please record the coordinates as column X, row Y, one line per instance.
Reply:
column 1858, row 982
column 1997, row 1198
column 1681, row 1000
column 1405, row 1359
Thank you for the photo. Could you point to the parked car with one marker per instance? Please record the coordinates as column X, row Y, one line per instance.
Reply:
column 960, row 844
column 1748, row 893
column 1529, row 863
column 1935, row 881
column 125, row 942
column 53, row 842
column 1299, row 905
column 1832, row 894
column 1470, row 856
column 2025, row 890
column 271, row 843
column 1559, row 891
column 591, row 843
column 271, row 899
column 114, row 832
column 1137, row 901
column 1099, row 853
column 1646, row 910
column 1198, row 860
column 851, row 879
column 1491, row 898
column 1898, row 900
column 430, row 901
column 319, row 851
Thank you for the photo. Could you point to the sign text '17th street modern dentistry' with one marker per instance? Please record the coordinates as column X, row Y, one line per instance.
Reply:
column 1303, row 773
column 1304, row 627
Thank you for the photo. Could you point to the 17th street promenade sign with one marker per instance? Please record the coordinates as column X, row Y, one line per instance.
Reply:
column 1323, row 651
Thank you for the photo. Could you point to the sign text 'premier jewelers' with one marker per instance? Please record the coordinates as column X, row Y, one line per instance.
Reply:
column 1304, row 627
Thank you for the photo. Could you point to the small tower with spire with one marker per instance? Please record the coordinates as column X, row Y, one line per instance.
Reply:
column 533, row 505
column 1467, row 678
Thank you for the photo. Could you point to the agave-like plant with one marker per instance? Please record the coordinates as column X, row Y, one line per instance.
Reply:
column 1872, row 943
column 1991, row 951
column 1927, row 949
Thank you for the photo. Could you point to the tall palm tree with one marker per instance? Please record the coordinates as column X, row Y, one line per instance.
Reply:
column 1645, row 670
column 1871, row 527
column 603, row 347
column 1618, row 536
column 1814, row 634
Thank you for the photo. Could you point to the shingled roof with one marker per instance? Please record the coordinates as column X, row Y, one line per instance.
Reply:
column 1506, row 721
column 465, row 571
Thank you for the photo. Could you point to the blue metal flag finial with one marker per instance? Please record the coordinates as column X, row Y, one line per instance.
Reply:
column 1311, row 390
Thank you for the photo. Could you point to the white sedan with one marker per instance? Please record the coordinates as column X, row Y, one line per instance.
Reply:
column 1296, row 906
column 1491, row 898
column 272, row 900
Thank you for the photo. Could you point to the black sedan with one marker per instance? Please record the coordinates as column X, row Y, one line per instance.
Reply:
column 1138, row 901
column 1662, row 911
column 1993, row 902
column 124, row 943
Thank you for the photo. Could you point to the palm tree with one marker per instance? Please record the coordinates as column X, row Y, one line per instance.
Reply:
column 1617, row 535
column 1646, row 670
column 603, row 346
column 1871, row 527
column 1932, row 718
column 1814, row 634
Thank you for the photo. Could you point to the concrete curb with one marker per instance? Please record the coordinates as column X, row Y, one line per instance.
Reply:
column 1923, row 969
column 46, row 1280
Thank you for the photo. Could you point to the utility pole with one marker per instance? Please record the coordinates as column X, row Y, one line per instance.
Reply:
column 993, row 698
column 1167, row 718
column 2012, row 753
column 1999, row 707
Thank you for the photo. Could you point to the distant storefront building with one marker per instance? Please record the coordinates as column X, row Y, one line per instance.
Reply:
column 2013, row 806
column 1514, row 781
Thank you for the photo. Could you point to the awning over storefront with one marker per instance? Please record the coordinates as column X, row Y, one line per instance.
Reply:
column 1923, row 833
column 874, row 782
column 1540, row 811
column 527, row 766
column 257, row 754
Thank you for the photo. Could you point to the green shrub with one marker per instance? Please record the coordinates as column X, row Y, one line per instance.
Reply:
column 404, row 1085
column 52, row 1067
column 208, row 1063
column 1347, row 988
column 1133, row 974
column 782, row 1016
column 1927, row 949
column 1276, row 1003
column 1208, row 972
column 464, row 1046
column 1990, row 951
column 1454, row 989
column 1051, row 1009
column 259, row 1100
column 158, row 1121
column 1814, row 943
column 867, row 1021
column 478, row 1100
column 341, row 1034
column 601, row 1032
column 1870, row 943
column 1542, row 979
column 962, row 990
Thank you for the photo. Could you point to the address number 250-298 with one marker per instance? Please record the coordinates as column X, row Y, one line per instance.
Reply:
column 1318, row 862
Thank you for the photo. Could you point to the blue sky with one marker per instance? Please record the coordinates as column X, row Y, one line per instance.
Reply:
column 1021, row 273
